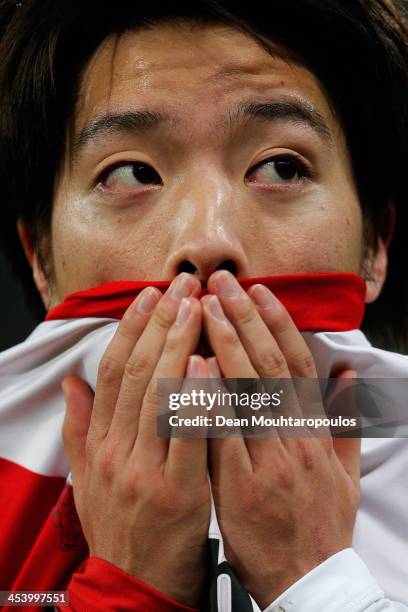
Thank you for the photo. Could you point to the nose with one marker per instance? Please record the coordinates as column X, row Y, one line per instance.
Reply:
column 207, row 236
column 203, row 254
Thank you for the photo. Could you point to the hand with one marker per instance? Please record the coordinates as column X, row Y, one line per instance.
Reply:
column 143, row 501
column 284, row 504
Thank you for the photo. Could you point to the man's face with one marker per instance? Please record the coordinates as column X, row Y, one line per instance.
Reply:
column 195, row 149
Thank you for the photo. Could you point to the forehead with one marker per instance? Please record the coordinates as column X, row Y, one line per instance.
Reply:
column 193, row 71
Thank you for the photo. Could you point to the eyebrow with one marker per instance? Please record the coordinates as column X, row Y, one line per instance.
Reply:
column 297, row 111
column 112, row 123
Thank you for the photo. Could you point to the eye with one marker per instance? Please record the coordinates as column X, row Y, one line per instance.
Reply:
column 129, row 176
column 280, row 170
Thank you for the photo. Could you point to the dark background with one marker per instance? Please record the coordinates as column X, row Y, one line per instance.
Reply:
column 16, row 320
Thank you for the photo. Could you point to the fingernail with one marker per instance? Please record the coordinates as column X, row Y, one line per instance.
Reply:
column 181, row 287
column 146, row 300
column 227, row 285
column 193, row 367
column 184, row 312
column 215, row 307
column 263, row 297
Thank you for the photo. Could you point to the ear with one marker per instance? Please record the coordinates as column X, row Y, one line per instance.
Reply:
column 32, row 258
column 378, row 261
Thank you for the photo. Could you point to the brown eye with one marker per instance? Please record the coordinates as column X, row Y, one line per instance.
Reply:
column 286, row 169
column 278, row 171
column 130, row 176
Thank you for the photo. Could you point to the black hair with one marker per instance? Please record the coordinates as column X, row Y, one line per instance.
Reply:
column 358, row 49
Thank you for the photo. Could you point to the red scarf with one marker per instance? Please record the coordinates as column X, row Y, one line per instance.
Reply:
column 316, row 302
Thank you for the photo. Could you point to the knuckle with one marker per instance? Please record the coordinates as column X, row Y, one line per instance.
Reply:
column 107, row 459
column 228, row 337
column 245, row 315
column 137, row 366
column 130, row 486
column 152, row 394
column 272, row 362
column 172, row 341
column 281, row 319
column 110, row 370
column 162, row 318
column 303, row 362
column 307, row 453
column 128, row 327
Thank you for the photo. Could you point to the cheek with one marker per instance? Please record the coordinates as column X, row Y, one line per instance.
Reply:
column 322, row 237
column 90, row 250
column 334, row 240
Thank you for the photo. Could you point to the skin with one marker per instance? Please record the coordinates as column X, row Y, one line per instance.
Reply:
column 210, row 209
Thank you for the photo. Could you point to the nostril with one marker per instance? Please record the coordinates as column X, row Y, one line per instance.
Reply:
column 187, row 266
column 228, row 265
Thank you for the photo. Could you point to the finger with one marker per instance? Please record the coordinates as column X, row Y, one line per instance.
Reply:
column 263, row 350
column 180, row 343
column 187, row 457
column 234, row 362
column 144, row 358
column 225, row 342
column 79, row 400
column 298, row 357
column 228, row 452
column 258, row 342
column 254, row 346
column 113, row 362
column 224, row 409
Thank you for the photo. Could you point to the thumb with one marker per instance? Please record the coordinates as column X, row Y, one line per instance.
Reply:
column 79, row 400
column 347, row 449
